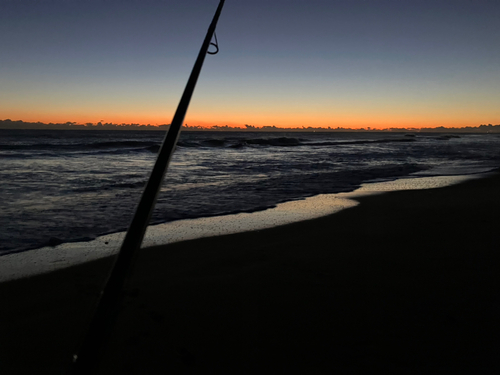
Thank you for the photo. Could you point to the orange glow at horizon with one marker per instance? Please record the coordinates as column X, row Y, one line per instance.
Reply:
column 240, row 120
column 398, row 69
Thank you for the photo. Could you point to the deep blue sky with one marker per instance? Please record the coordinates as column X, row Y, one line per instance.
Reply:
column 285, row 63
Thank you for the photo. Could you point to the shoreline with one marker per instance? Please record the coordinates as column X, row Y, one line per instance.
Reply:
column 403, row 283
column 51, row 258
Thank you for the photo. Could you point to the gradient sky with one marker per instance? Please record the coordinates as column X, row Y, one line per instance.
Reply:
column 287, row 63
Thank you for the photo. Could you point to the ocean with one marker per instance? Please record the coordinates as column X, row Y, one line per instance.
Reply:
column 61, row 186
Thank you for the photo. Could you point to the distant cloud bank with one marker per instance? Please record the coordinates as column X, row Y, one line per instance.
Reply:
column 19, row 124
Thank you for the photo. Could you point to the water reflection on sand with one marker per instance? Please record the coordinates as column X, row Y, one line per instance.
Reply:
column 47, row 259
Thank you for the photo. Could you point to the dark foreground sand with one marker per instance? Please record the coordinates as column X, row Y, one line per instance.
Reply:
column 405, row 283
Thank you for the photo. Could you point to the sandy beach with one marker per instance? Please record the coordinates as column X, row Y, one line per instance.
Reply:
column 404, row 283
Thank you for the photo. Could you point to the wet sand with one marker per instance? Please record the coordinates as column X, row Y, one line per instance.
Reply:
column 404, row 283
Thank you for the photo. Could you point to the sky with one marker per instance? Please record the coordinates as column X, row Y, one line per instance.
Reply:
column 284, row 63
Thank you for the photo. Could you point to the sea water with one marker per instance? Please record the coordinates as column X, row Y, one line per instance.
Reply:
column 74, row 185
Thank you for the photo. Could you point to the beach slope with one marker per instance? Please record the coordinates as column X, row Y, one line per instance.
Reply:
column 405, row 282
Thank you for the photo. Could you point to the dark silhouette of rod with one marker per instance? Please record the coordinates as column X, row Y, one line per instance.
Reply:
column 86, row 360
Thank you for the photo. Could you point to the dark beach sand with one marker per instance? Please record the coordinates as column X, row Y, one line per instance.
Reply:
column 405, row 283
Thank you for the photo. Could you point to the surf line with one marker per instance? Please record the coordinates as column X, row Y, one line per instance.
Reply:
column 86, row 358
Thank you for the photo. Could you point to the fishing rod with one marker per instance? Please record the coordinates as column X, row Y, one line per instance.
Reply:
column 85, row 360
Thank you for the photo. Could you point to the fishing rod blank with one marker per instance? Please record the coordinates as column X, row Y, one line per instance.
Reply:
column 86, row 359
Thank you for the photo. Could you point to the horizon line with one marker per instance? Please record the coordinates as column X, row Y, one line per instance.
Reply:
column 20, row 124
